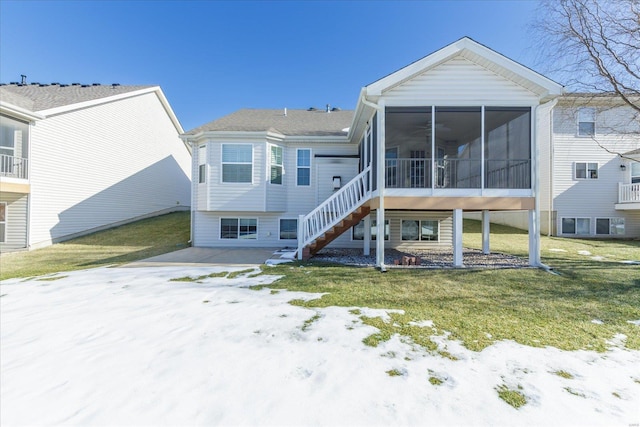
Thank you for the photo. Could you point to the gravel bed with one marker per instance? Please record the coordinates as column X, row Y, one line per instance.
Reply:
column 436, row 258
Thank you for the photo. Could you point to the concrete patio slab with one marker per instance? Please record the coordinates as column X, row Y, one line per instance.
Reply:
column 203, row 257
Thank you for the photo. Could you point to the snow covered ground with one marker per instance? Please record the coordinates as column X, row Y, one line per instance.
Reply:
column 126, row 346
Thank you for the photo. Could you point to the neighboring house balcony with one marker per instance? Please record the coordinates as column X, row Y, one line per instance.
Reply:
column 14, row 174
column 628, row 197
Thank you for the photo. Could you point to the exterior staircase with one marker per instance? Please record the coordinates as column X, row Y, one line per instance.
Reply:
column 344, row 209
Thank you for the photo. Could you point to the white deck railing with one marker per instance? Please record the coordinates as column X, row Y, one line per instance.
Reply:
column 628, row 193
column 333, row 210
column 14, row 167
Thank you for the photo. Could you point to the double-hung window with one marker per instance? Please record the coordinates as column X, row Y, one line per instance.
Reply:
column 585, row 170
column 276, row 165
column 202, row 164
column 586, row 121
column 238, row 228
column 303, row 162
column 237, row 163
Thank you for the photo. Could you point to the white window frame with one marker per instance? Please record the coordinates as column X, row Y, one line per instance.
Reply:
column 202, row 164
column 575, row 219
column 420, row 239
column 580, row 119
column 222, row 163
column 238, row 219
column 587, row 174
column 298, row 167
column 621, row 219
column 3, row 221
column 280, row 228
column 272, row 165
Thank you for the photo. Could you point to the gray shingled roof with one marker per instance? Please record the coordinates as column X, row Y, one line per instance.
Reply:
column 36, row 97
column 296, row 122
column 632, row 153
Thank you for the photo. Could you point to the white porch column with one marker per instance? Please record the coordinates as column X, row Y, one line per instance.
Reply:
column 367, row 235
column 534, row 239
column 486, row 227
column 380, row 175
column 457, row 238
column 300, row 236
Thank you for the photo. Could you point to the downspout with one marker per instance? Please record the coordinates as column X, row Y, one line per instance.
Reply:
column 552, row 149
column 193, row 187
column 537, row 181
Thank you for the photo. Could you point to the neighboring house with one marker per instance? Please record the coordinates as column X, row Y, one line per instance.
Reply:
column 79, row 158
column 455, row 131
column 589, row 170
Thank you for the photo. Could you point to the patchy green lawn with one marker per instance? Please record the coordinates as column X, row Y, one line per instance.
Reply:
column 127, row 243
column 584, row 305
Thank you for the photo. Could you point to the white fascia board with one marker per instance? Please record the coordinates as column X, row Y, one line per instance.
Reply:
column 232, row 136
column 413, row 69
column 362, row 114
column 19, row 112
column 317, row 139
column 168, row 109
column 549, row 88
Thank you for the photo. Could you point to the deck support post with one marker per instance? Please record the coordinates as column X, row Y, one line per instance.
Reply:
column 534, row 239
column 486, row 231
column 367, row 235
column 300, row 237
column 457, row 238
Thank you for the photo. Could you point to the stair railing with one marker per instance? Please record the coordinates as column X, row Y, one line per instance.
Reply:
column 333, row 210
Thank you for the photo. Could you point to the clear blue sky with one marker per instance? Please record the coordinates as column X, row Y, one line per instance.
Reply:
column 212, row 57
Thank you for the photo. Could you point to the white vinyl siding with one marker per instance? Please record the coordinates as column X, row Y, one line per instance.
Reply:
column 237, row 163
column 15, row 221
column 458, row 81
column 3, row 222
column 105, row 165
column 593, row 198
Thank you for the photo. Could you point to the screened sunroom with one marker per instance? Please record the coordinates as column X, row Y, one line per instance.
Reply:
column 458, row 147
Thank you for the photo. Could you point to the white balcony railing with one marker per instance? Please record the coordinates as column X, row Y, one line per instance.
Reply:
column 14, row 167
column 457, row 173
column 628, row 193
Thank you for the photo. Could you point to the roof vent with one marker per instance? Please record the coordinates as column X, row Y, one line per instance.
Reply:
column 96, row 84
column 285, row 111
column 312, row 109
column 336, row 109
column 55, row 84
column 115, row 84
column 24, row 79
column 328, row 108
column 34, row 83
column 43, row 85
column 84, row 85
column 75, row 84
column 63, row 85
column 13, row 83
